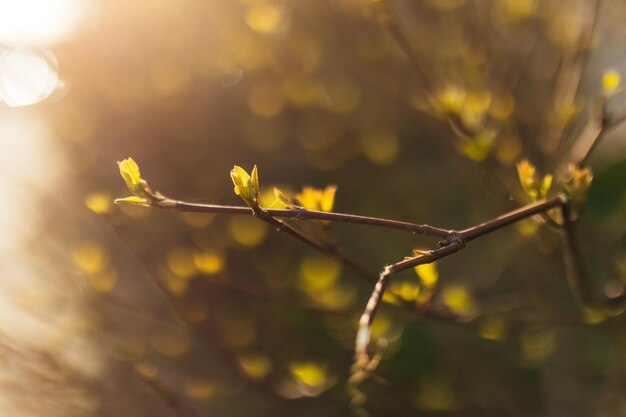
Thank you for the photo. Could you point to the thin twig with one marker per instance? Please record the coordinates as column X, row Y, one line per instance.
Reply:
column 171, row 400
column 574, row 271
column 265, row 216
column 596, row 132
column 452, row 244
column 529, row 210
column 304, row 214
column 568, row 77
column 367, row 318
column 393, row 26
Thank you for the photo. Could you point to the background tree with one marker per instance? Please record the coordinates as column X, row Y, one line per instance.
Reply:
column 417, row 111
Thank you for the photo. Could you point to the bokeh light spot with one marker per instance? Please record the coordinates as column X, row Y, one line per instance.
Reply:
column 201, row 389
column 208, row 262
column 248, row 231
column 255, row 366
column 26, row 77
column 89, row 257
column 380, row 147
column 265, row 17
column 99, row 203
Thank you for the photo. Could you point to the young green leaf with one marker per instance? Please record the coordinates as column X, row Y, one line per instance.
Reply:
column 246, row 186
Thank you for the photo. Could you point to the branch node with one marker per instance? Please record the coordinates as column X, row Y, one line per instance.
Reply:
column 454, row 237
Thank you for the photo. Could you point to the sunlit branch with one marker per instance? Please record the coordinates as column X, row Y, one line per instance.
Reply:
column 304, row 214
column 539, row 207
column 367, row 318
column 452, row 244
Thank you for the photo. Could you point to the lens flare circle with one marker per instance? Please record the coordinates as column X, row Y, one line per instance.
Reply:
column 26, row 76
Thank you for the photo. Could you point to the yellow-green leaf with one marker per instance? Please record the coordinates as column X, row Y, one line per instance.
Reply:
column 526, row 173
column 546, row 183
column 134, row 200
column 327, row 199
column 315, row 199
column 130, row 173
column 282, row 198
column 240, row 179
column 246, row 186
column 254, row 181
column 578, row 183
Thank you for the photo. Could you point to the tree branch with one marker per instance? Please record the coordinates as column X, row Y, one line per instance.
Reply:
column 574, row 271
column 304, row 214
column 452, row 244
column 511, row 217
column 265, row 216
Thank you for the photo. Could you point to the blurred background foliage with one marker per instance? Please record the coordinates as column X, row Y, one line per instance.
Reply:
column 113, row 310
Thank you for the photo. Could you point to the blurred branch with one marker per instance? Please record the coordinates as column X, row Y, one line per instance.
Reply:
column 393, row 25
column 596, row 128
column 575, row 271
column 568, row 77
column 572, row 259
column 167, row 397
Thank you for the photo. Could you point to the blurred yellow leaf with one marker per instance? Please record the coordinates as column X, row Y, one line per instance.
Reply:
column 578, row 183
column 436, row 394
column 493, row 328
column 537, row 347
column 282, row 198
column 208, row 262
column 197, row 219
column 380, row 147
column 255, row 366
column 318, row 273
column 309, row 373
column 611, row 80
column 264, row 17
column 458, row 299
column 104, row 281
column 318, row 200
column 407, row 291
column 90, row 257
column 202, row 389
column 478, row 148
column 181, row 262
column 172, row 344
column 593, row 315
column 99, row 203
column 146, row 370
column 248, row 231
column 450, row 99
column 534, row 188
column 428, row 274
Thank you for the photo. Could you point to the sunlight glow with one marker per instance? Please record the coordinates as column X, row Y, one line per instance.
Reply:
column 38, row 21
